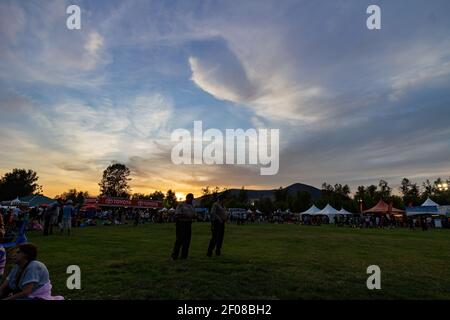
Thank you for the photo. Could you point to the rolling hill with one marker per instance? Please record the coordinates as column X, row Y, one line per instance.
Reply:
column 292, row 190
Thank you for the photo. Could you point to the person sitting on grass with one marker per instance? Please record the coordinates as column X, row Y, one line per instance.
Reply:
column 35, row 225
column 28, row 279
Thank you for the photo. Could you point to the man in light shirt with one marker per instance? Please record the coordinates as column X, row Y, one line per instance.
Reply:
column 218, row 219
column 68, row 212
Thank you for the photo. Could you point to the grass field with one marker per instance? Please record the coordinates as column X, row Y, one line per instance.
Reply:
column 259, row 262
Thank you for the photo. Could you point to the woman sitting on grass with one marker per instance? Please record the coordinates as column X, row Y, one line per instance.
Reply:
column 29, row 278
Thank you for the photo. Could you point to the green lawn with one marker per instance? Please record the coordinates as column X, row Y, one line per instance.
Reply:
column 259, row 262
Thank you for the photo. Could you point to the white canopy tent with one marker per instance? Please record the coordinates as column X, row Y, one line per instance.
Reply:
column 429, row 207
column 429, row 203
column 344, row 212
column 311, row 211
column 16, row 202
column 328, row 211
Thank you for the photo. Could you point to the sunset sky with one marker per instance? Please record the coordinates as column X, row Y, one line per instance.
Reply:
column 352, row 105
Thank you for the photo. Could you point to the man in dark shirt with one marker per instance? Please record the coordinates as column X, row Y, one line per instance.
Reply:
column 184, row 214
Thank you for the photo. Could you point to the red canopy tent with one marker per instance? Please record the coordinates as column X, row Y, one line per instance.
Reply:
column 90, row 207
column 383, row 208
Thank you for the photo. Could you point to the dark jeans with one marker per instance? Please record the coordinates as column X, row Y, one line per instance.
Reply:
column 183, row 233
column 217, row 232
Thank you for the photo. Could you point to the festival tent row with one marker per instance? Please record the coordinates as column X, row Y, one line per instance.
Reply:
column 171, row 210
column 328, row 211
column 380, row 208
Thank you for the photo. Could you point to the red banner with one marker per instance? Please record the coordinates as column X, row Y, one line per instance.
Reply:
column 90, row 201
column 123, row 202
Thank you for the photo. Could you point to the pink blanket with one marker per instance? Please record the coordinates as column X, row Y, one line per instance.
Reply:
column 45, row 292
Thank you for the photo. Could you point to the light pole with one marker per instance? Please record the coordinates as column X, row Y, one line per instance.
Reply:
column 442, row 186
column 360, row 205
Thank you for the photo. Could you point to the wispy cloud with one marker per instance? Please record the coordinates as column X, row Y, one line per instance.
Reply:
column 37, row 46
column 351, row 105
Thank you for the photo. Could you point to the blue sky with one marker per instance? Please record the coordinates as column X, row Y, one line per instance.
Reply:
column 352, row 105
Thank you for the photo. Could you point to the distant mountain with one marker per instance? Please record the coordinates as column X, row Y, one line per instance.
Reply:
column 292, row 190
column 313, row 191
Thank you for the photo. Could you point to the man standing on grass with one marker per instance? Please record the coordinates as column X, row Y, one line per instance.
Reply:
column 68, row 212
column 218, row 219
column 184, row 214
column 50, row 216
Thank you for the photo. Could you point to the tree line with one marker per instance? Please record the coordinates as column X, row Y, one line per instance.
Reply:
column 116, row 178
column 114, row 183
column 338, row 195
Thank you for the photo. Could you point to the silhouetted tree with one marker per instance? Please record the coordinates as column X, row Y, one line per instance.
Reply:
column 157, row 195
column 410, row 192
column 428, row 189
column 242, row 196
column 301, row 202
column 170, row 200
column 19, row 183
column 74, row 195
column 115, row 180
column 265, row 205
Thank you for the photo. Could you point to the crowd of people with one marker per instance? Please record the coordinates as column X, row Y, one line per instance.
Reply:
column 377, row 221
column 44, row 219
column 65, row 215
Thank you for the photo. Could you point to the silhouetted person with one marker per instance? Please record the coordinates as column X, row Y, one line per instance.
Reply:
column 68, row 212
column 218, row 219
column 49, row 217
column 423, row 224
column 184, row 214
column 136, row 217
